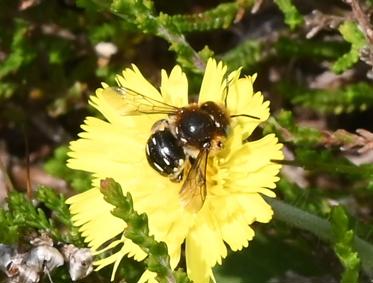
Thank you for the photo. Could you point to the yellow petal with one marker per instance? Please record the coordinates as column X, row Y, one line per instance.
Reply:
column 91, row 220
column 112, row 245
column 108, row 260
column 101, row 137
column 236, row 232
column 175, row 87
column 261, row 151
column 148, row 277
column 197, row 269
column 234, row 216
column 132, row 79
column 242, row 100
column 128, row 249
column 213, row 82
column 158, row 201
column 255, row 207
column 204, row 246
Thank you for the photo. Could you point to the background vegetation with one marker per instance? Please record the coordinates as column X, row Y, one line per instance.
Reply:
column 314, row 62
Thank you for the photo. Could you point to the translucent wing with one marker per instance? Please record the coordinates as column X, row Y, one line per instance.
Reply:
column 134, row 103
column 193, row 192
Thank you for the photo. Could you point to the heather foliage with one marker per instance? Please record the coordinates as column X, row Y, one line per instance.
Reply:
column 314, row 63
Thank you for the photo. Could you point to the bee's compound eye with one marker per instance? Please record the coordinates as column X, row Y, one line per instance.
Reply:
column 164, row 153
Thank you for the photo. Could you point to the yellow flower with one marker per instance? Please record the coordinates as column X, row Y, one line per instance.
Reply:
column 236, row 176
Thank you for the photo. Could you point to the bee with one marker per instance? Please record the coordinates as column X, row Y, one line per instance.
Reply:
column 182, row 142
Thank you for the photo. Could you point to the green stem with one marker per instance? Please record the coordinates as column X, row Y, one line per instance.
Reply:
column 179, row 43
column 171, row 28
column 137, row 230
column 319, row 227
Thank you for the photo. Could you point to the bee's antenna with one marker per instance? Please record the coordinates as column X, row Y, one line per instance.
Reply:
column 226, row 92
column 244, row 115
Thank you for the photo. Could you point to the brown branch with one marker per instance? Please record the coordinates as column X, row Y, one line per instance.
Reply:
column 317, row 21
column 361, row 142
column 362, row 19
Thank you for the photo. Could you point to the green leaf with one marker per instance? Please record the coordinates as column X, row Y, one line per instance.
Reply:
column 26, row 215
column 292, row 17
column 139, row 12
column 322, row 228
column 90, row 5
column 352, row 97
column 57, row 203
column 21, row 53
column 8, row 230
column 312, row 48
column 247, row 54
column 140, row 16
column 22, row 215
column 220, row 17
column 343, row 245
column 286, row 125
column 353, row 35
column 327, row 161
column 103, row 32
column 7, row 89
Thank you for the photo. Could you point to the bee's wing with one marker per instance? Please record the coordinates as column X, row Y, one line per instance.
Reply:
column 193, row 193
column 134, row 103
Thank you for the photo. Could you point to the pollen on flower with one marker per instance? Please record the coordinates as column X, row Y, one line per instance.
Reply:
column 210, row 200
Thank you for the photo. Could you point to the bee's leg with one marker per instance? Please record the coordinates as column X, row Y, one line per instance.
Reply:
column 177, row 177
column 160, row 125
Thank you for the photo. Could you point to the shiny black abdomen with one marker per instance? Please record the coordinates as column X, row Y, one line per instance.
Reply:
column 164, row 153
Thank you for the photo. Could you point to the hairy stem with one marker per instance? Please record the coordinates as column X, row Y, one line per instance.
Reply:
column 319, row 227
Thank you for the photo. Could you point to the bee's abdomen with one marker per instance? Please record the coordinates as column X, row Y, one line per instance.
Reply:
column 164, row 153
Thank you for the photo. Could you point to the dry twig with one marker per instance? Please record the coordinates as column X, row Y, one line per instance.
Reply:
column 362, row 142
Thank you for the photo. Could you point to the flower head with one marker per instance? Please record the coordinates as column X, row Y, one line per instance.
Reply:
column 237, row 175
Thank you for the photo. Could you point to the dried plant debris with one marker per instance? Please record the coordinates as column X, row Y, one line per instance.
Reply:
column 317, row 21
column 366, row 55
column 42, row 259
column 362, row 18
column 79, row 259
column 361, row 142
